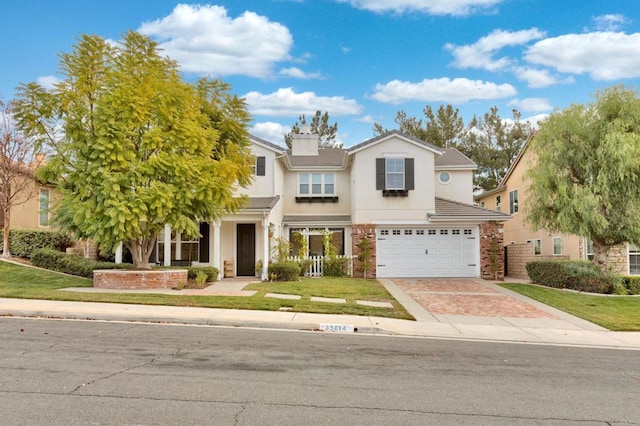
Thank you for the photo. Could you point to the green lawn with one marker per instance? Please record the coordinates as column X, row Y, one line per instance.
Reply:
column 28, row 283
column 617, row 313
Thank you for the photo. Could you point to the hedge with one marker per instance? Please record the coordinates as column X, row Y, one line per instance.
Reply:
column 192, row 272
column 71, row 264
column 335, row 266
column 574, row 275
column 23, row 242
column 284, row 271
column 632, row 284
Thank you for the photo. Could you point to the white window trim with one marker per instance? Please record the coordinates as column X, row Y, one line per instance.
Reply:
column 323, row 193
column 537, row 240
column 499, row 204
column 516, row 204
column 440, row 177
column 553, row 244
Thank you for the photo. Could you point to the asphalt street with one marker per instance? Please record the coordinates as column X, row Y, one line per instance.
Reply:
column 61, row 372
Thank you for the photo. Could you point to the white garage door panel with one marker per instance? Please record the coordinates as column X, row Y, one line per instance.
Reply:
column 426, row 252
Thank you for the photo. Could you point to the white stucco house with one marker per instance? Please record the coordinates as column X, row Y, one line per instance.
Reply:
column 413, row 200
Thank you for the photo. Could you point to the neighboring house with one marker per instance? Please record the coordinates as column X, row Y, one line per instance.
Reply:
column 32, row 207
column 413, row 200
column 522, row 243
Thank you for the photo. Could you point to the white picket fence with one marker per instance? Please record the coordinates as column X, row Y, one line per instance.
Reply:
column 316, row 262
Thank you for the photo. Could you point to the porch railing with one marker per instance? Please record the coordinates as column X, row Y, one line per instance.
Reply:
column 315, row 264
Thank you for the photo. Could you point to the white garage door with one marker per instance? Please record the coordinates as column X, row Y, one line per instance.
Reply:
column 427, row 252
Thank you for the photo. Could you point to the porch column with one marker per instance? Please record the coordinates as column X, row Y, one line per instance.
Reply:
column 265, row 248
column 214, row 248
column 167, row 245
column 119, row 253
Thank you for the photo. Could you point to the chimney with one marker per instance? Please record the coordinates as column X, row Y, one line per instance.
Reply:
column 304, row 143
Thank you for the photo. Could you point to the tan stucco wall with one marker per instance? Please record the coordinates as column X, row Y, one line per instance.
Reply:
column 369, row 205
column 342, row 187
column 517, row 230
column 26, row 214
column 262, row 186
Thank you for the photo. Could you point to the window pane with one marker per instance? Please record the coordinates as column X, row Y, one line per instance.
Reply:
column 395, row 181
column 304, row 188
column 316, row 178
column 328, row 189
column 43, row 209
column 316, row 188
column 328, row 178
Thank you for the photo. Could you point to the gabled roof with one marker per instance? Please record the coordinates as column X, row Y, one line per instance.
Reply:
column 447, row 210
column 326, row 158
column 454, row 159
column 262, row 203
column 394, row 133
column 266, row 144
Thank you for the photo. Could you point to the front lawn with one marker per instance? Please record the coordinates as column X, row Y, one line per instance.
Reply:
column 617, row 313
column 23, row 282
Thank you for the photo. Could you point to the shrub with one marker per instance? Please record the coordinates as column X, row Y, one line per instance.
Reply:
column 571, row 274
column 284, row 271
column 194, row 271
column 335, row 266
column 70, row 263
column 632, row 284
column 22, row 242
column 201, row 278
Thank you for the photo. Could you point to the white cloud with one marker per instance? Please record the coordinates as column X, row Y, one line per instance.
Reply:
column 298, row 73
column 602, row 55
column 535, row 120
column 531, row 104
column 535, row 77
column 432, row 7
column 287, row 103
column 48, row 81
column 367, row 119
column 270, row 131
column 609, row 22
column 456, row 91
column 480, row 54
column 205, row 40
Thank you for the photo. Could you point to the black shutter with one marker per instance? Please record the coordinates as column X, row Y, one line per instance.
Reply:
column 380, row 173
column 204, row 242
column 408, row 174
column 260, row 166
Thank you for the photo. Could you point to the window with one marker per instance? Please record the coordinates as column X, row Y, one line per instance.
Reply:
column 557, row 245
column 468, row 232
column 482, row 204
column 315, row 240
column 590, row 250
column 432, row 232
column 396, row 232
column 384, row 232
column 394, row 173
column 419, row 231
column 455, row 232
column 634, row 260
column 537, row 247
column 444, row 177
column 513, row 201
column 444, row 232
column 408, row 232
column 258, row 168
column 498, row 203
column 43, row 208
column 394, row 176
column 182, row 248
column 316, row 184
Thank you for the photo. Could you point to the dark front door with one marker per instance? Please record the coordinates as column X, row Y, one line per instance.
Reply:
column 246, row 249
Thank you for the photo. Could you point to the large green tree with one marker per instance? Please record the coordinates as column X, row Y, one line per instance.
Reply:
column 442, row 128
column 319, row 126
column 587, row 176
column 493, row 143
column 134, row 147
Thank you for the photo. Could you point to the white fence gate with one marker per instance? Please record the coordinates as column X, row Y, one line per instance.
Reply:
column 315, row 264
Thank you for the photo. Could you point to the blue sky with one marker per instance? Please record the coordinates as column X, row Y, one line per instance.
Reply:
column 360, row 60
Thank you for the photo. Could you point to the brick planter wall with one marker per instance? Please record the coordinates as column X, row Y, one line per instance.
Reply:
column 358, row 233
column 491, row 251
column 519, row 254
column 138, row 280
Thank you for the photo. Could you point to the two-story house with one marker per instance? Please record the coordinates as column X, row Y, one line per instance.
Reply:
column 523, row 243
column 413, row 200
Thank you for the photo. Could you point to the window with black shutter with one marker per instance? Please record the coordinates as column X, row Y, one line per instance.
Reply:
column 260, row 166
column 395, row 176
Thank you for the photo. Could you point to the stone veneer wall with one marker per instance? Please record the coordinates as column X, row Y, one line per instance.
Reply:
column 138, row 280
column 491, row 240
column 618, row 259
column 358, row 233
column 519, row 254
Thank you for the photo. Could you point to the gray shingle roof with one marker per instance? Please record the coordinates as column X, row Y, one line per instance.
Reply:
column 448, row 210
column 267, row 143
column 262, row 203
column 452, row 158
column 394, row 132
column 330, row 157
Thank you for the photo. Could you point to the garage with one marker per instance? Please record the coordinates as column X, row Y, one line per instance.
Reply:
column 427, row 252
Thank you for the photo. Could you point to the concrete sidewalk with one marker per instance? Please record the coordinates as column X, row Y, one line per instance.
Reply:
column 563, row 329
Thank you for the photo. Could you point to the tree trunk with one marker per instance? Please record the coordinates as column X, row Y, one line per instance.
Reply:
column 141, row 250
column 5, row 239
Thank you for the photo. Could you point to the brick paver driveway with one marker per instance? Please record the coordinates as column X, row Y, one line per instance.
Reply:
column 468, row 297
